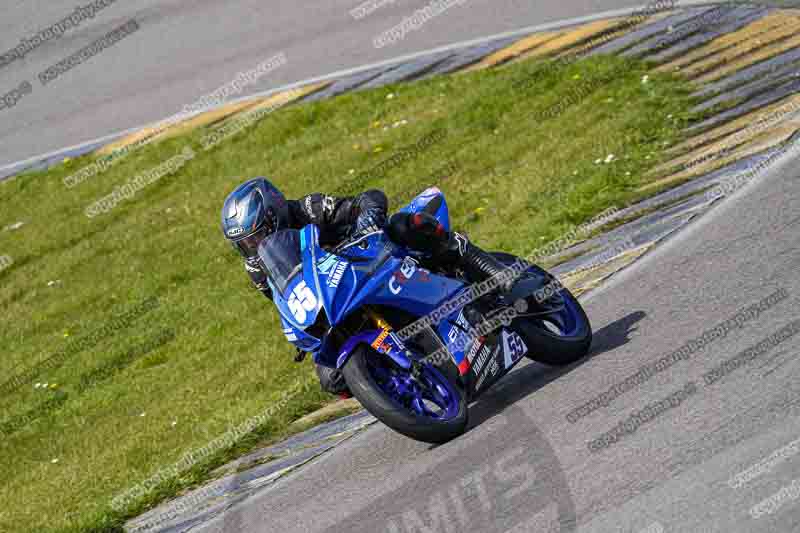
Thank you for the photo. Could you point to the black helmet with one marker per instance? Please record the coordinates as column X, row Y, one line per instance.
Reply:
column 253, row 211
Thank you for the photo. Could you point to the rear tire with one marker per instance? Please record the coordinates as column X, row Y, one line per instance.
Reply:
column 548, row 347
column 385, row 409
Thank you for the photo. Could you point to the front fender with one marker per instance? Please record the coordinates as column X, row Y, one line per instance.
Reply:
column 381, row 340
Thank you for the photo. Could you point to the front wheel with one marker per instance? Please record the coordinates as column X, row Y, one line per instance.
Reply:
column 557, row 331
column 426, row 407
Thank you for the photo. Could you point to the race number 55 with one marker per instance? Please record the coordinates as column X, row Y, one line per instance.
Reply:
column 301, row 302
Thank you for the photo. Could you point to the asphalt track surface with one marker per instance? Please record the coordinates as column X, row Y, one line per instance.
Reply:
column 187, row 49
column 524, row 467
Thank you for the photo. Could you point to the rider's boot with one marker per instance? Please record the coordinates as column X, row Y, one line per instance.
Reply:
column 477, row 264
column 451, row 250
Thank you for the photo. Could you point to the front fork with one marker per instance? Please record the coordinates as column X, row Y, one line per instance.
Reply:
column 415, row 365
column 410, row 363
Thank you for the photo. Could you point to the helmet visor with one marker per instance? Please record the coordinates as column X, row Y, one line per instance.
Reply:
column 249, row 245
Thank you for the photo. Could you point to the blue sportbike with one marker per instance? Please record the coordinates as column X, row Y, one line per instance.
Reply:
column 416, row 345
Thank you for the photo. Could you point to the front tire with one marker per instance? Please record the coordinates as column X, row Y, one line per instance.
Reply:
column 365, row 387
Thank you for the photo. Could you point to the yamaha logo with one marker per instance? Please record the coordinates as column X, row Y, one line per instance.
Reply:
column 335, row 277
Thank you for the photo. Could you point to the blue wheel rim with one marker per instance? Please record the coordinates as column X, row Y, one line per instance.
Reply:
column 429, row 395
column 566, row 319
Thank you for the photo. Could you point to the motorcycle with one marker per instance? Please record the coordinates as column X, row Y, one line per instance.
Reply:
column 415, row 345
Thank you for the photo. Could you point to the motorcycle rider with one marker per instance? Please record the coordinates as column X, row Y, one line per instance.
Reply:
column 256, row 209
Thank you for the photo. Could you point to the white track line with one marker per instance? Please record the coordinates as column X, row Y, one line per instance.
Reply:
column 347, row 72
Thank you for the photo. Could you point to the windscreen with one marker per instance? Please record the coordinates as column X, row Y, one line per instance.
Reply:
column 280, row 254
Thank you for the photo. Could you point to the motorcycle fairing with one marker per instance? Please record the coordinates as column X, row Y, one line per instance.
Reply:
column 489, row 358
column 382, row 340
column 370, row 270
column 454, row 331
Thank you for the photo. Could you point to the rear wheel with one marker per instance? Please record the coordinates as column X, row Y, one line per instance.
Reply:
column 556, row 330
column 425, row 407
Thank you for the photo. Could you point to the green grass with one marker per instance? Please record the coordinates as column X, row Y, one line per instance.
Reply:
column 513, row 182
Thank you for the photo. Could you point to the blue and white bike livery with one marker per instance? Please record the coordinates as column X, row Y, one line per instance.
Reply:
column 347, row 306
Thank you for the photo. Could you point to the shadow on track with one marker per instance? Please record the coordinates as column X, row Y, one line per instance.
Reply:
column 528, row 379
